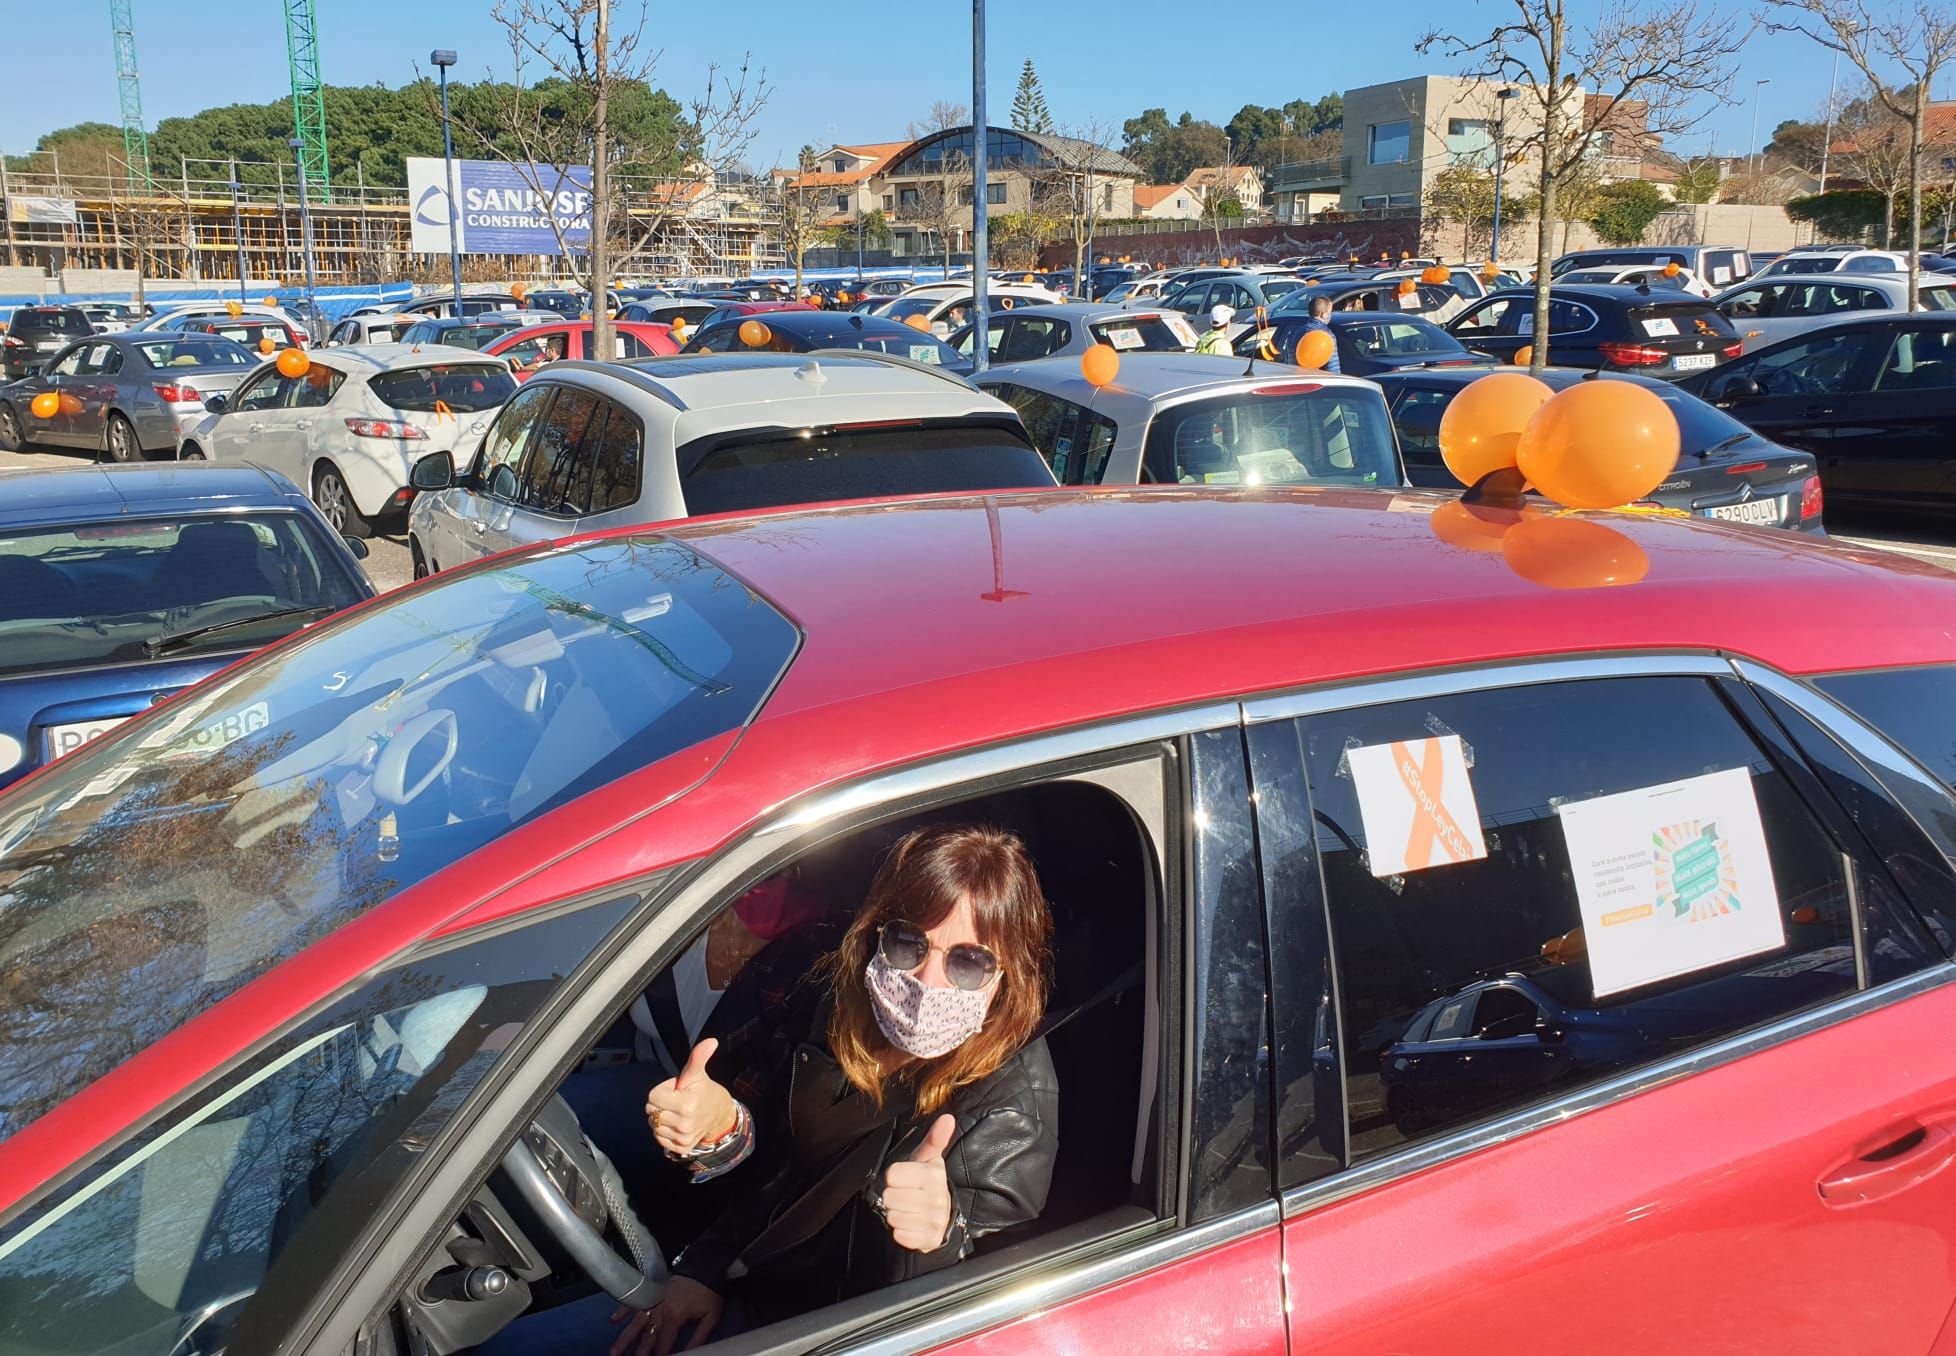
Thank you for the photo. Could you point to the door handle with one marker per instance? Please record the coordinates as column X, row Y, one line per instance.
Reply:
column 1911, row 1158
column 254, row 428
column 1819, row 411
column 302, row 423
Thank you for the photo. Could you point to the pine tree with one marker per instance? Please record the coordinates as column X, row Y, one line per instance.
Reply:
column 1029, row 112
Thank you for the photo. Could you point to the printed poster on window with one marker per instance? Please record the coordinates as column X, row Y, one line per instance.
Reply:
column 1672, row 879
column 1416, row 800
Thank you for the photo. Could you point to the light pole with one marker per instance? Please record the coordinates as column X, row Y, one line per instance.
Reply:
column 1827, row 137
column 1757, row 86
column 305, row 239
column 981, row 240
column 443, row 59
column 237, row 233
column 1500, row 162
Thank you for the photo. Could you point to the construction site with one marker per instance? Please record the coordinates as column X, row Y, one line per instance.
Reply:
column 210, row 222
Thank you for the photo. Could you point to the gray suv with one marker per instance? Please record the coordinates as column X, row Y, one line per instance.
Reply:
column 36, row 333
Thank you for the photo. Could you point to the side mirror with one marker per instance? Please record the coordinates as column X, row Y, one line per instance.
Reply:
column 355, row 545
column 216, row 404
column 1549, row 1033
column 1737, row 388
column 436, row 471
column 502, row 482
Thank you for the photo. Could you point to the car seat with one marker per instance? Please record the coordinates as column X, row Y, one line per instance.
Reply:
column 204, row 552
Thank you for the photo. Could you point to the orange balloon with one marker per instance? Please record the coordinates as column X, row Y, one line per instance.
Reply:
column 1490, row 269
column 271, row 301
column 1573, row 553
column 1436, row 275
column 70, row 403
column 46, row 405
column 1599, row 444
column 1524, row 355
column 1405, row 254
column 1030, row 279
column 1314, row 350
column 754, row 334
column 1671, row 270
column 1476, row 527
column 1480, row 427
column 267, row 344
column 518, row 290
column 680, row 329
column 1310, row 282
column 1099, row 364
column 293, row 362
column 233, row 309
column 916, row 321
column 1407, row 287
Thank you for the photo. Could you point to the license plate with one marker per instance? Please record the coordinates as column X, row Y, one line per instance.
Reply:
column 1693, row 362
column 47, row 345
column 1752, row 511
column 65, row 739
column 206, row 739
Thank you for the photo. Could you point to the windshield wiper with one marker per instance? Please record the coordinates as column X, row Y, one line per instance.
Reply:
column 1727, row 444
column 171, row 640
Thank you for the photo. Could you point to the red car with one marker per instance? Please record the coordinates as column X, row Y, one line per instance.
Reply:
column 536, row 345
column 1469, row 935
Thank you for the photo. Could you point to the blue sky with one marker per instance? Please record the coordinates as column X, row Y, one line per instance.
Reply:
column 834, row 79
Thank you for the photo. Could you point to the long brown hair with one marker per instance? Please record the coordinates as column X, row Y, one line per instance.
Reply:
column 924, row 878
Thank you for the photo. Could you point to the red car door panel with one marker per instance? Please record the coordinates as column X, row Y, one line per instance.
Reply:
column 1687, row 1218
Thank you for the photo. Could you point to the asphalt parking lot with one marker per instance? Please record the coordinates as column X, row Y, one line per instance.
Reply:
column 389, row 567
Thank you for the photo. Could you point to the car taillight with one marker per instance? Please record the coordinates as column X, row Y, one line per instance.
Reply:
column 1734, row 349
column 1287, row 388
column 16, row 343
column 174, row 393
column 383, row 428
column 1811, row 501
column 1632, row 355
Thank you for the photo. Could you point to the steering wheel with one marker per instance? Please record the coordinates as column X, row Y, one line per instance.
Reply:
column 573, row 1188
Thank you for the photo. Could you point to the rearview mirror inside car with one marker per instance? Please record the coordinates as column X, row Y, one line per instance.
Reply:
column 216, row 403
column 436, row 471
column 1737, row 388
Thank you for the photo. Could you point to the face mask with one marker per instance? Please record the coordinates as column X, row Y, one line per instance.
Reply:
column 920, row 1019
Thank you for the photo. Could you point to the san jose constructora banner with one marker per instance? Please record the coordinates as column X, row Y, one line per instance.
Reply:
column 499, row 208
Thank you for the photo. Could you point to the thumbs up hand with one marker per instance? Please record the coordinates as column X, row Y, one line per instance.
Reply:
column 917, row 1193
column 690, row 1109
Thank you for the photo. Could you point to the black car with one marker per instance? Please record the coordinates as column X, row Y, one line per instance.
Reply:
column 1368, row 342
column 36, row 333
column 666, row 310
column 1724, row 469
column 806, row 331
column 1365, row 294
column 1873, row 400
column 1656, row 332
column 564, row 303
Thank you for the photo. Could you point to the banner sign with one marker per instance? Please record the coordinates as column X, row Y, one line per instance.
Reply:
column 501, row 211
column 44, row 211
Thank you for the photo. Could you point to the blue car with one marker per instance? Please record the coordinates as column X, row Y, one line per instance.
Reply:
column 120, row 585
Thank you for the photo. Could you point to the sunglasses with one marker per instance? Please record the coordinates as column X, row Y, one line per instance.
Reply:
column 904, row 946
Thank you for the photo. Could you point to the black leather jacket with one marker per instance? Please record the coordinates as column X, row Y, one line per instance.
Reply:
column 803, row 1228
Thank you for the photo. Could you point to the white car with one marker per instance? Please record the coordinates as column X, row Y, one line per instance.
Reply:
column 1767, row 310
column 205, row 312
column 351, row 427
column 947, row 306
column 1648, row 275
column 1833, row 261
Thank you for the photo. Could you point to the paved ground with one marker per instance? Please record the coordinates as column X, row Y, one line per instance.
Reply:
column 388, row 565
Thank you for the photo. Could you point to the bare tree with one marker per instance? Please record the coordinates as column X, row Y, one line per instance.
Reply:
column 1917, row 35
column 1656, row 64
column 1875, row 149
column 1071, row 189
column 801, row 215
column 943, row 116
column 575, row 43
column 942, row 200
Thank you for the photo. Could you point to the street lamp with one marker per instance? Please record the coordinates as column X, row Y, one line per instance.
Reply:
column 1500, row 160
column 443, row 59
column 1757, row 86
column 305, row 235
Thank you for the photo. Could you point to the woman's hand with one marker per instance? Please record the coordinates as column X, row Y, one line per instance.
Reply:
column 655, row 1331
column 917, row 1193
column 692, row 1108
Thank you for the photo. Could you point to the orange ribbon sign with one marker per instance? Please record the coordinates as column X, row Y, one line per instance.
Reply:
column 1434, row 829
column 443, row 412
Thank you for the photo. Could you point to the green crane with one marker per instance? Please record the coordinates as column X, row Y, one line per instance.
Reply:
column 135, row 141
column 308, row 100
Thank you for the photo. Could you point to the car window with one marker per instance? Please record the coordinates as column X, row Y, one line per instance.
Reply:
column 501, row 455
column 261, row 392
column 552, row 469
column 1050, row 423
column 1823, row 362
column 1937, row 298
column 615, row 464
column 347, row 332
column 1869, row 263
column 1416, row 415
column 631, row 346
column 316, row 388
column 1914, row 707
column 103, row 360
column 69, row 363
column 723, row 337
column 212, row 352
column 1631, row 899
column 763, row 468
column 1485, row 319
column 1145, row 333
column 1397, row 339
column 461, row 388
column 1919, row 360
column 1287, row 433
column 1033, row 337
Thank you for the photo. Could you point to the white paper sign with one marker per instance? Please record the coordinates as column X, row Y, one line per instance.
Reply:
column 1416, row 800
column 1660, row 326
column 1672, row 879
column 1122, row 338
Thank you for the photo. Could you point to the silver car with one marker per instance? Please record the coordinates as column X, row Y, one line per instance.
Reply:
column 1766, row 310
column 126, row 394
column 1071, row 328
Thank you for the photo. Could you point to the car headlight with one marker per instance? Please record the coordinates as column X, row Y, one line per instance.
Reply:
column 11, row 752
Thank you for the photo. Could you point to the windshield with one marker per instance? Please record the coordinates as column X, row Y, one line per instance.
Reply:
column 1286, row 433
column 249, row 333
column 920, row 346
column 1825, row 263
column 94, row 593
column 769, row 467
column 53, row 321
column 1146, row 333
column 474, row 336
column 197, row 353
column 463, row 388
column 344, row 768
column 904, row 307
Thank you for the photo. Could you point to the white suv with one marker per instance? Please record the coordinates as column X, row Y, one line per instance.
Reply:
column 589, row 445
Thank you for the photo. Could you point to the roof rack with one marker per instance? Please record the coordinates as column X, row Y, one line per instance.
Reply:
column 625, row 372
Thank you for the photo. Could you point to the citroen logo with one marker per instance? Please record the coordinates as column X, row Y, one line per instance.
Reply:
column 1745, row 492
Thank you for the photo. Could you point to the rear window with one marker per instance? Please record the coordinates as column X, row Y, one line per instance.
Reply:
column 904, row 307
column 1818, row 264
column 1397, row 339
column 1289, row 433
column 197, row 353
column 249, row 333
column 1146, row 334
column 99, row 593
column 475, row 336
column 771, row 467
column 1674, row 321
column 293, row 793
column 1938, row 298
column 53, row 320
column 463, row 387
column 1914, row 707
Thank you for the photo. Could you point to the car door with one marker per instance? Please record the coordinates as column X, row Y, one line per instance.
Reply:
column 1813, row 393
column 469, row 518
column 1907, row 460
column 95, row 387
column 1740, row 1079
column 64, row 377
column 554, row 481
column 1490, row 327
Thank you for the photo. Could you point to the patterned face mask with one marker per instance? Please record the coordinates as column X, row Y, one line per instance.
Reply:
column 921, row 1019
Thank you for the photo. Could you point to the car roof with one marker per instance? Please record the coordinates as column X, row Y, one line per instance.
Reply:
column 1085, row 312
column 1158, row 376
column 394, row 357
column 810, row 322
column 831, row 387
column 1626, row 293
column 1557, row 377
column 64, row 494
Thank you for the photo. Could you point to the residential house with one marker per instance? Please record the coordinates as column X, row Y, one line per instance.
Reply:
column 841, row 182
column 1167, row 202
column 1245, row 181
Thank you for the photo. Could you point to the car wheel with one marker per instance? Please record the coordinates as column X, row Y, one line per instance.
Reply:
column 421, row 568
column 192, row 452
column 335, row 501
column 120, row 435
column 10, row 439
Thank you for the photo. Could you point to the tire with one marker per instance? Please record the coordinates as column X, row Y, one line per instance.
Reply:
column 192, row 452
column 10, row 439
column 329, row 492
column 421, row 567
column 119, row 438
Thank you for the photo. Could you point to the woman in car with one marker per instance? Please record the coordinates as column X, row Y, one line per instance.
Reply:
column 897, row 1101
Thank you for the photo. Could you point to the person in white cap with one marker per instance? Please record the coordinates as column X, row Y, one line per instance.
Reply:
column 1216, row 339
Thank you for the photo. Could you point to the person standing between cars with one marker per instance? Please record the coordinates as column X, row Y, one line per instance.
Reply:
column 899, row 1102
column 1320, row 310
column 1216, row 338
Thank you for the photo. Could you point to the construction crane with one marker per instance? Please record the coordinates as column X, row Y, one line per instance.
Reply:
column 135, row 141
column 308, row 100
